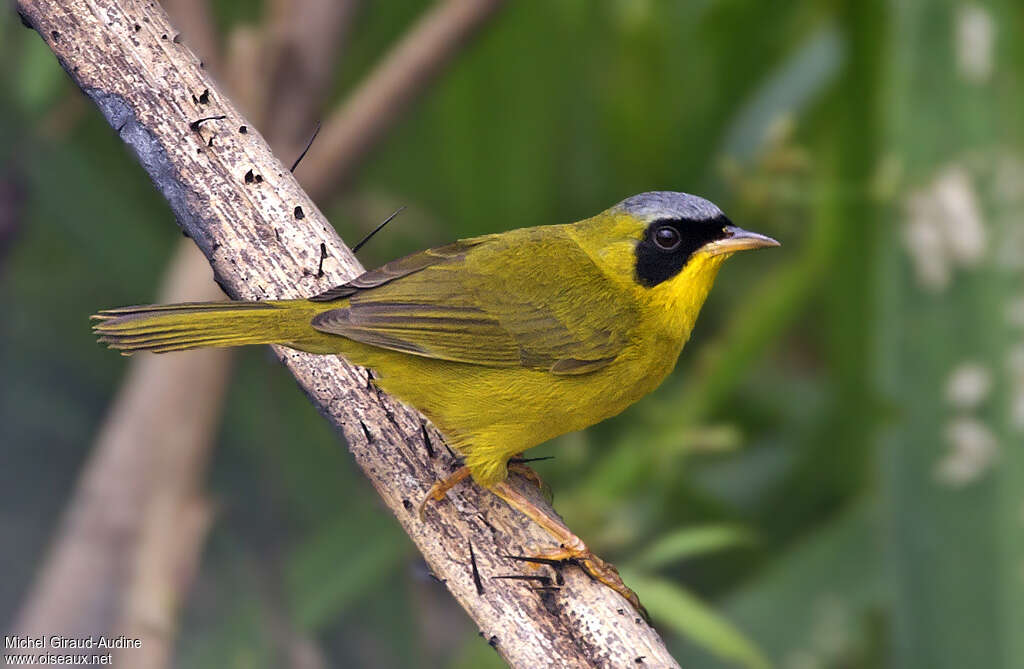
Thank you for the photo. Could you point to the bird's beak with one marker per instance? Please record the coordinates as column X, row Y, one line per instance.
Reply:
column 738, row 239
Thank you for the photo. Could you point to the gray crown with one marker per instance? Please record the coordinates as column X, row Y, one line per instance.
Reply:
column 671, row 205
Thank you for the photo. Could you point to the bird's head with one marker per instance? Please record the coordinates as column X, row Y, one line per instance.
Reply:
column 666, row 245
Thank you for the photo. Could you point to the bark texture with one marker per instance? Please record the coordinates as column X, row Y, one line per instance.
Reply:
column 265, row 239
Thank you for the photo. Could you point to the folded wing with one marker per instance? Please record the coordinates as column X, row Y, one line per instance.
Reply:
column 530, row 298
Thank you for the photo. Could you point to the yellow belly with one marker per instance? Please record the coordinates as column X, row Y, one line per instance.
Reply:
column 489, row 414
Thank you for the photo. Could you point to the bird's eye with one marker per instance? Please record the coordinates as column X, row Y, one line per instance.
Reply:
column 667, row 238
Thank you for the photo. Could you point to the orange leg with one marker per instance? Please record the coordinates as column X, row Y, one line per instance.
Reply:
column 527, row 473
column 438, row 491
column 441, row 488
column 572, row 548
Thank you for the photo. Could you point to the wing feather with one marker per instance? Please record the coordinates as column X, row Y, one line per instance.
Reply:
column 452, row 303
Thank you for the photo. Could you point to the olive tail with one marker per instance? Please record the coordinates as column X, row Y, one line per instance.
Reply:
column 175, row 327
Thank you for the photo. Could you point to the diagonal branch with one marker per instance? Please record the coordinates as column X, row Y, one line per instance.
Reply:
column 384, row 95
column 305, row 36
column 240, row 205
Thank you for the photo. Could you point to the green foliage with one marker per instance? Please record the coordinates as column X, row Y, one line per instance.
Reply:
column 832, row 477
column 683, row 613
column 681, row 544
column 326, row 576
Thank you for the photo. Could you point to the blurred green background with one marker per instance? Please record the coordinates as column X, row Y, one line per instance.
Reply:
column 833, row 476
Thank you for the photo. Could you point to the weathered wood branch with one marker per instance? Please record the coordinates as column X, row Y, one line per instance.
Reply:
column 265, row 239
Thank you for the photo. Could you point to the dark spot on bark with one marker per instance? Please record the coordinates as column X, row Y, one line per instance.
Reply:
column 137, row 27
column 202, row 65
column 476, row 572
column 640, row 659
column 209, row 142
column 366, row 432
column 299, row 214
column 249, row 178
column 429, row 445
column 323, row 256
column 493, row 641
column 408, row 505
column 277, row 235
column 55, row 35
column 242, row 129
column 177, row 39
column 164, row 36
column 204, row 97
column 547, row 598
column 194, row 125
column 259, row 178
column 539, row 578
column 636, row 620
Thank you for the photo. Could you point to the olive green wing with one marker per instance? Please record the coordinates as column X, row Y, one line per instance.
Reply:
column 527, row 298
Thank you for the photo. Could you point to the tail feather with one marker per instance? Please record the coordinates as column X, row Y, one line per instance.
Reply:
column 174, row 327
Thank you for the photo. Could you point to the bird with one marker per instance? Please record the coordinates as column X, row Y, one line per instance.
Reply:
column 503, row 341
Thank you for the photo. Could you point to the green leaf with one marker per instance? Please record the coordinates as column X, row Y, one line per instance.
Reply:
column 819, row 599
column 686, row 614
column 690, row 542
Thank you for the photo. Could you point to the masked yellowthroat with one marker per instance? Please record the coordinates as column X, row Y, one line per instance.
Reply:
column 504, row 341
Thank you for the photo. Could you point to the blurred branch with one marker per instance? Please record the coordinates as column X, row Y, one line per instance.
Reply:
column 379, row 101
column 167, row 526
column 305, row 37
column 143, row 453
column 150, row 89
column 193, row 18
column 131, row 537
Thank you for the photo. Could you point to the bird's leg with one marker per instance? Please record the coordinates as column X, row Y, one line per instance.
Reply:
column 572, row 549
column 438, row 491
column 517, row 466
column 441, row 488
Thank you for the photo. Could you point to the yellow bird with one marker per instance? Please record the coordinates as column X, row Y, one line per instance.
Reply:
column 503, row 341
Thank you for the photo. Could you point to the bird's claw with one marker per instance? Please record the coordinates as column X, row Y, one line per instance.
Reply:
column 601, row 571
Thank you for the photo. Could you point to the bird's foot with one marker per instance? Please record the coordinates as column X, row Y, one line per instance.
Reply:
column 598, row 569
column 571, row 549
column 527, row 473
column 438, row 491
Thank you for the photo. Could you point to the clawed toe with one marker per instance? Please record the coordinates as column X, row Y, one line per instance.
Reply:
column 438, row 491
column 599, row 570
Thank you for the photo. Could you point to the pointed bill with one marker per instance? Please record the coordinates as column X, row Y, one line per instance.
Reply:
column 738, row 239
